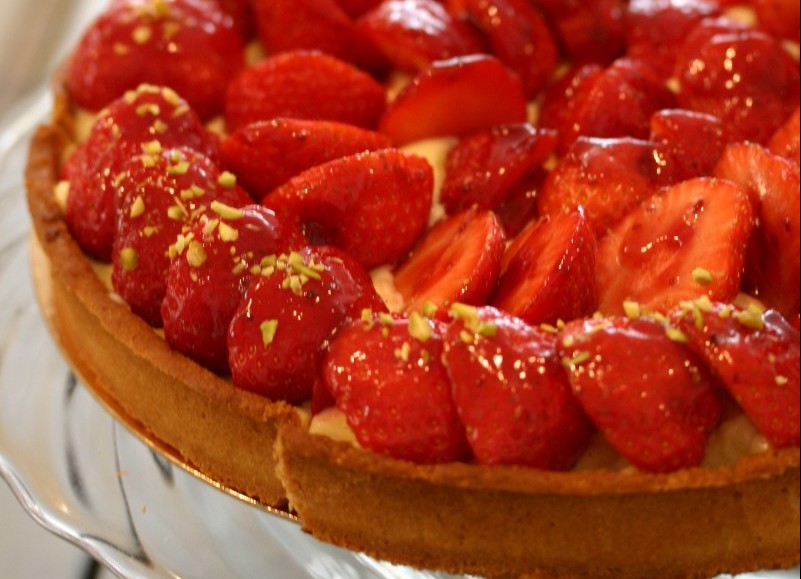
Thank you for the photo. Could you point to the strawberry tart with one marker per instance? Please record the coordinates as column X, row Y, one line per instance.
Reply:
column 506, row 288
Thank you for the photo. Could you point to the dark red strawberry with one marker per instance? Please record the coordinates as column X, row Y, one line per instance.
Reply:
column 588, row 30
column 458, row 261
column 786, row 142
column 512, row 392
column 607, row 178
column 656, row 29
column 456, row 97
column 211, row 269
column 241, row 12
column 147, row 117
column 373, row 205
column 190, row 46
column 694, row 141
column 291, row 25
column 356, row 8
column 389, row 380
column 304, row 85
column 651, row 397
column 484, row 168
column 521, row 204
column 278, row 335
column 548, row 273
column 159, row 194
column 756, row 356
column 588, row 103
column 412, row 34
column 705, row 31
column 266, row 155
column 774, row 261
column 746, row 79
column 518, row 35
column 779, row 17
column 684, row 243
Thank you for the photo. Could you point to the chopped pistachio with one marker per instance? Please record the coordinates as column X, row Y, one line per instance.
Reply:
column 750, row 319
column 176, row 213
column 703, row 276
column 138, row 207
column 404, row 353
column 152, row 147
column 226, row 211
column 228, row 234
column 632, row 309
column 429, row 309
column 577, row 360
column 227, row 180
column 386, row 319
column 419, row 328
column 129, row 259
column 269, row 329
column 676, row 335
column 196, row 255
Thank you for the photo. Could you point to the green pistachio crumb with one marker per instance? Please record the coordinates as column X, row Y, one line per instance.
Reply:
column 269, row 329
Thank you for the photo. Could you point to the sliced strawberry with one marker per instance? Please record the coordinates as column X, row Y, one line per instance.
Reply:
column 652, row 398
column 756, row 357
column 694, row 141
column 211, row 269
column 304, row 85
column 779, row 17
column 588, row 30
column 683, row 243
column 520, row 409
column 373, row 205
column 593, row 102
column 786, row 142
column 266, row 155
column 389, row 380
column 277, row 336
column 458, row 261
column 190, row 46
column 159, row 194
column 656, row 28
column 774, row 261
column 412, row 34
column 484, row 168
column 548, row 273
column 518, row 35
column 746, row 79
column 456, row 97
column 143, row 117
column 607, row 178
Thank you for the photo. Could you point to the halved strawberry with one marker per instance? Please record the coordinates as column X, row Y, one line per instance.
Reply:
column 588, row 30
column 412, row 34
column 159, row 194
column 304, row 85
column 484, row 168
column 518, row 35
column 651, row 397
column 279, row 332
column 143, row 117
column 746, row 79
column 189, row 46
column 518, row 409
column 787, row 140
column 607, row 178
column 457, row 261
column 291, row 25
column 389, row 380
column 211, row 268
column 373, row 205
column 774, row 184
column 456, row 97
column 594, row 98
column 757, row 357
column 694, row 141
column 548, row 273
column 681, row 244
column 266, row 155
column 656, row 29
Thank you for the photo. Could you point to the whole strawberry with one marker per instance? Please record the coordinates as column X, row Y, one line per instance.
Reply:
column 388, row 378
column 191, row 46
column 149, row 116
column 650, row 396
column 512, row 393
column 160, row 195
column 211, row 269
column 288, row 315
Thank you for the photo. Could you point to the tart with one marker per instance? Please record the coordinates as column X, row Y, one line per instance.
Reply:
column 442, row 301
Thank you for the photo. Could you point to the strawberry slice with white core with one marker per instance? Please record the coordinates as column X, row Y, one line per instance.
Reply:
column 459, row 260
column 548, row 273
column 684, row 243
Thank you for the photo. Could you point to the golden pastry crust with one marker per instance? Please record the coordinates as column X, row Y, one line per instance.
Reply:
column 490, row 521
